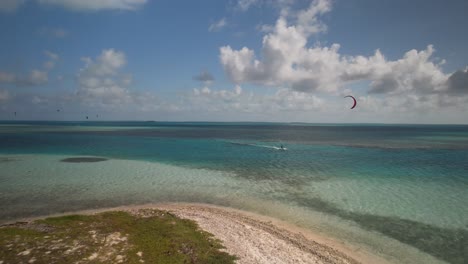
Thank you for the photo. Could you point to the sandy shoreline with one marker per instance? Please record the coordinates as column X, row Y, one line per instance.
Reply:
column 258, row 239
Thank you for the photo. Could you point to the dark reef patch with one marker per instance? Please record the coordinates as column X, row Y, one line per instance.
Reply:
column 83, row 159
column 5, row 159
column 446, row 244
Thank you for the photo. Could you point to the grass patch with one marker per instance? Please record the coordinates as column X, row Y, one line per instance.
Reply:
column 144, row 236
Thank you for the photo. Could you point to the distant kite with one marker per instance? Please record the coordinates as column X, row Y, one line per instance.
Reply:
column 354, row 99
column 58, row 110
column 86, row 117
column 15, row 113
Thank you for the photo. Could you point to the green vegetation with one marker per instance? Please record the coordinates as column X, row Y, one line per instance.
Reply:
column 144, row 236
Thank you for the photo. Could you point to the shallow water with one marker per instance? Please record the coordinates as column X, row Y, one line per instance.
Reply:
column 400, row 191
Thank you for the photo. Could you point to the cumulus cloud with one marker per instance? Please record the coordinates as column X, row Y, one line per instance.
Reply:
column 307, row 20
column 218, row 25
column 288, row 61
column 225, row 95
column 10, row 5
column 283, row 54
column 99, row 79
column 246, row 4
column 458, row 82
column 108, row 63
column 398, row 90
column 285, row 104
column 35, row 76
column 415, row 72
column 238, row 100
column 95, row 5
column 214, row 100
column 103, row 85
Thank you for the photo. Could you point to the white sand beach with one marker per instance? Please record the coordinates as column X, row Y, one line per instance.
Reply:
column 255, row 238
column 259, row 239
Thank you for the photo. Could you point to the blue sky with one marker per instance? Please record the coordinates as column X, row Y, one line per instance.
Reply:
column 245, row 60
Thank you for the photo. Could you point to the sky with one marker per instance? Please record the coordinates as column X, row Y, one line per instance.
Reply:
column 235, row 60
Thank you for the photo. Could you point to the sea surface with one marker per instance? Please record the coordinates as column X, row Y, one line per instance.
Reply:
column 400, row 191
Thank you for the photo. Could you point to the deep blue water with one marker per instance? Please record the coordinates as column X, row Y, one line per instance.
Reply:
column 437, row 152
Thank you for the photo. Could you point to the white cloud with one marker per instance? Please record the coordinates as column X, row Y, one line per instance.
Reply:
column 238, row 100
column 307, row 20
column 99, row 79
column 218, row 25
column 103, row 86
column 108, row 63
column 458, row 82
column 288, row 61
column 10, row 5
column 288, row 105
column 95, row 5
column 309, row 78
column 246, row 4
column 283, row 53
column 206, row 99
column 415, row 73
column 38, row 77
column 35, row 76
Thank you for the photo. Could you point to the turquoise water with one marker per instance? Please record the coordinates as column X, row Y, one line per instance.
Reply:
column 400, row 190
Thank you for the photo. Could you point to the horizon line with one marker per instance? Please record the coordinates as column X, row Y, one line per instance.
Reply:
column 265, row 122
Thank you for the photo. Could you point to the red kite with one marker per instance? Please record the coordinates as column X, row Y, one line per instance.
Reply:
column 354, row 99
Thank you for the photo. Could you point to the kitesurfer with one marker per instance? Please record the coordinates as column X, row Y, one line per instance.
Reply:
column 354, row 99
